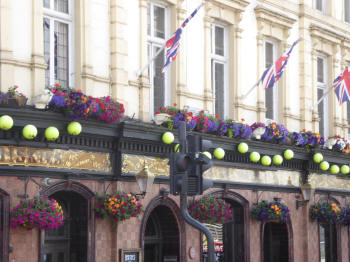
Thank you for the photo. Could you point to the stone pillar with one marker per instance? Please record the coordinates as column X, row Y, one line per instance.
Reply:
column 260, row 67
column 208, row 91
column 38, row 62
column 86, row 69
column 181, row 64
column 284, row 101
column 334, row 119
column 6, row 49
column 313, row 96
column 236, row 110
column 119, row 51
column 144, row 86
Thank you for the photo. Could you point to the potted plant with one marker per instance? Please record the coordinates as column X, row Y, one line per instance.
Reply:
column 335, row 143
column 276, row 133
column 270, row 211
column 12, row 97
column 40, row 212
column 258, row 129
column 326, row 212
column 210, row 210
column 311, row 139
column 117, row 206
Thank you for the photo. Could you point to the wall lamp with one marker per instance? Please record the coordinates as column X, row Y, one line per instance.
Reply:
column 307, row 192
column 145, row 180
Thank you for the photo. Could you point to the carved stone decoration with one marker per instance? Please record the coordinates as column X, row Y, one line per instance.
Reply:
column 131, row 164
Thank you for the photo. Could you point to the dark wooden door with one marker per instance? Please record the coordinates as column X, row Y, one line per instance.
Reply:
column 275, row 242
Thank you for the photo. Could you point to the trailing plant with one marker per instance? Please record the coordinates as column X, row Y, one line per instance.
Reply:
column 275, row 210
column 210, row 210
column 326, row 212
column 117, row 206
column 76, row 105
column 40, row 212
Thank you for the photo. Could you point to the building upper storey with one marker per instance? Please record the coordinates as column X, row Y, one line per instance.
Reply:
column 100, row 46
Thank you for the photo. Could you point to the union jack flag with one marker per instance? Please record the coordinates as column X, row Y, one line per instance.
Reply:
column 342, row 86
column 173, row 43
column 273, row 73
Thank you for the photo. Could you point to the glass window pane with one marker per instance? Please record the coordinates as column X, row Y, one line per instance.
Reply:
column 268, row 54
column 219, row 40
column 319, row 5
column 158, row 80
column 148, row 19
column 61, row 6
column 46, row 3
column 347, row 11
column 61, row 53
column 219, row 88
column 321, row 110
column 348, row 113
column 47, row 50
column 320, row 70
column 269, row 93
column 159, row 22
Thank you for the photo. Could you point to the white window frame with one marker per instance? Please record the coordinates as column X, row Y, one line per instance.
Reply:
column 52, row 15
column 275, row 88
column 222, row 60
column 324, row 86
column 152, row 42
column 323, row 6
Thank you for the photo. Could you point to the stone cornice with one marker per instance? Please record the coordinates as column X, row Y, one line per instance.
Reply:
column 326, row 34
column 234, row 5
column 265, row 15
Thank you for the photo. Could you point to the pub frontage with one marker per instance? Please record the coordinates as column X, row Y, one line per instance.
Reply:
column 75, row 170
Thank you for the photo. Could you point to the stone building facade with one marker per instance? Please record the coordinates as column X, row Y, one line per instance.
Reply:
column 100, row 46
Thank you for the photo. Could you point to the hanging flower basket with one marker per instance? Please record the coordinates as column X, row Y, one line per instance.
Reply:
column 117, row 206
column 270, row 211
column 210, row 210
column 326, row 212
column 40, row 212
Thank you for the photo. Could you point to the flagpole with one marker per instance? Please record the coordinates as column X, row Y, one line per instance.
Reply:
column 251, row 89
column 139, row 72
column 322, row 97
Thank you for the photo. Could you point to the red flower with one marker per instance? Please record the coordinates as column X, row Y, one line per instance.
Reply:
column 217, row 116
column 175, row 104
column 79, row 90
column 57, row 85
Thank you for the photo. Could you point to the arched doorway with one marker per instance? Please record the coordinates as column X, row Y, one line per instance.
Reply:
column 69, row 242
column 231, row 239
column 276, row 242
column 161, row 240
column 73, row 242
column 4, row 225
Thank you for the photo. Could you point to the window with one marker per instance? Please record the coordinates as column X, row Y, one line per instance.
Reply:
column 157, row 24
column 219, row 67
column 321, row 89
column 271, row 94
column 321, row 5
column 347, row 11
column 328, row 242
column 58, row 42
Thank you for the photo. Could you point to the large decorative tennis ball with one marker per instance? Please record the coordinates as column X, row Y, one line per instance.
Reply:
column 345, row 169
column 29, row 131
column 266, row 160
column 177, row 148
column 318, row 157
column 168, row 138
column 207, row 154
column 288, row 154
column 277, row 160
column 243, row 148
column 254, row 157
column 219, row 153
column 51, row 133
column 324, row 165
column 6, row 122
column 334, row 169
column 74, row 128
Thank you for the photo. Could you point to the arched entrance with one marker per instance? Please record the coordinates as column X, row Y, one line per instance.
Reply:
column 163, row 232
column 161, row 240
column 73, row 242
column 4, row 225
column 231, row 239
column 276, row 242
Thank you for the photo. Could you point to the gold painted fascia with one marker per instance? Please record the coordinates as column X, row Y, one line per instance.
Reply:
column 265, row 15
column 329, row 182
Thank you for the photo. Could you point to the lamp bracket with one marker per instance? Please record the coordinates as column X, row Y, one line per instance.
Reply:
column 301, row 203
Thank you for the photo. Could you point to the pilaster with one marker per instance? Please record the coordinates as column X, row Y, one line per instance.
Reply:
column 208, row 91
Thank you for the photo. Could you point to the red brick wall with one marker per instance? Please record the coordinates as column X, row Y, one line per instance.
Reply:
column 305, row 231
